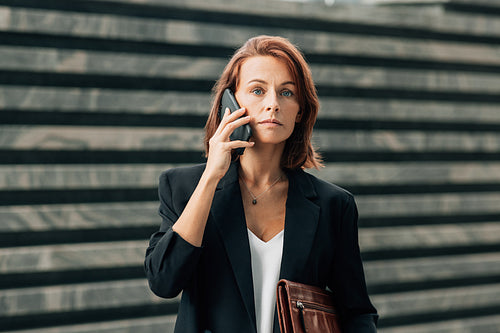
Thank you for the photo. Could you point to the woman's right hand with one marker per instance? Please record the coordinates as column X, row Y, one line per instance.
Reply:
column 191, row 224
column 220, row 146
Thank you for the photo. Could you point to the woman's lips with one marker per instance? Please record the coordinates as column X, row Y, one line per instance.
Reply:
column 270, row 122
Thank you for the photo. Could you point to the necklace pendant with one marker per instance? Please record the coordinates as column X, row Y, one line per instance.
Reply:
column 254, row 201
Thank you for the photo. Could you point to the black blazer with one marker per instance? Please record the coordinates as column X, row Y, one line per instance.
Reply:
column 320, row 248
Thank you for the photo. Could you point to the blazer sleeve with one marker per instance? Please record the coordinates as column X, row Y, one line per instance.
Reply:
column 170, row 261
column 347, row 276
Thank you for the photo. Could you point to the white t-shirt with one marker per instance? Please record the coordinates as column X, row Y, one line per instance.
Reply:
column 266, row 263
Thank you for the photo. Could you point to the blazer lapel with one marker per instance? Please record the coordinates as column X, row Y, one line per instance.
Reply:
column 301, row 222
column 228, row 214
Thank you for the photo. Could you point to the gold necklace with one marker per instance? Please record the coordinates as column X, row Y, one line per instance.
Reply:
column 254, row 198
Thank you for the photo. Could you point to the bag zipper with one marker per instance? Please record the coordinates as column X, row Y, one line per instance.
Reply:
column 300, row 306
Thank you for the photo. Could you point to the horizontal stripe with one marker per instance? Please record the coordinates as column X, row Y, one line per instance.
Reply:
column 177, row 139
column 387, row 173
column 404, row 94
column 387, row 62
column 358, row 177
column 482, row 8
column 105, row 234
column 375, row 289
column 116, row 119
column 395, row 221
column 488, row 323
column 57, row 177
column 367, row 156
column 46, row 218
column 85, row 195
column 61, row 257
column 161, row 323
column 429, row 204
column 102, row 81
column 437, row 316
column 419, row 252
column 54, row 177
column 413, row 270
column 98, row 138
column 77, row 297
column 429, row 236
column 80, row 317
column 194, row 156
column 421, row 188
column 98, row 118
column 37, row 197
column 438, row 301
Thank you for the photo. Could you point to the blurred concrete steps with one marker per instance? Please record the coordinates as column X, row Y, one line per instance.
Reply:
column 76, row 303
column 98, row 97
column 430, row 237
column 438, row 303
column 146, row 325
column 67, row 298
column 112, row 138
column 78, row 217
column 31, row 259
column 477, row 324
column 416, row 272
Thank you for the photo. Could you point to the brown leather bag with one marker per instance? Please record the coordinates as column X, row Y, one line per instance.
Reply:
column 305, row 309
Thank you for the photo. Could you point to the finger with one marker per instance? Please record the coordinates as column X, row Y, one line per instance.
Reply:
column 229, row 128
column 233, row 115
column 240, row 144
column 221, row 124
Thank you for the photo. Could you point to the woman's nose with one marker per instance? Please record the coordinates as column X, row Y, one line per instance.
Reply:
column 272, row 103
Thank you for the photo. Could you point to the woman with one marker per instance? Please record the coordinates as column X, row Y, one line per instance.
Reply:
column 235, row 225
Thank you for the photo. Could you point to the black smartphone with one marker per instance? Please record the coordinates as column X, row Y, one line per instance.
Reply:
column 243, row 132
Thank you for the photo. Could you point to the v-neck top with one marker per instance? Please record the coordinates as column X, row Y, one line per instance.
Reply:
column 266, row 263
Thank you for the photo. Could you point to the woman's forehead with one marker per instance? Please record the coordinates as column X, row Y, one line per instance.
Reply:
column 265, row 69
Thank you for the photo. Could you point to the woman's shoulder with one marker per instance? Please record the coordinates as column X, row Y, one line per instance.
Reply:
column 184, row 171
column 327, row 190
column 182, row 177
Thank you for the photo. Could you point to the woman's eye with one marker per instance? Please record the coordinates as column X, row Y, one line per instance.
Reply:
column 287, row 93
column 257, row 91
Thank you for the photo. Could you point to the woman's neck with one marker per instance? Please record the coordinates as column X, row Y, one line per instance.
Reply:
column 261, row 165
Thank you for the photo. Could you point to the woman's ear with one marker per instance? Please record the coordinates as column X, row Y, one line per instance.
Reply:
column 298, row 118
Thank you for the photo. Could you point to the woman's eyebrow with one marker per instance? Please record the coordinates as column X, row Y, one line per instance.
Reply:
column 264, row 82
column 256, row 81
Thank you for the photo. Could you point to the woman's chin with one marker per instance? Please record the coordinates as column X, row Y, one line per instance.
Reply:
column 268, row 141
column 268, row 137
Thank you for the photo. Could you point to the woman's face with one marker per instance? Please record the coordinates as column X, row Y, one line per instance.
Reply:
column 268, row 92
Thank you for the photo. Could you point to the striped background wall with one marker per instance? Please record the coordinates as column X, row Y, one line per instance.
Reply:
column 98, row 97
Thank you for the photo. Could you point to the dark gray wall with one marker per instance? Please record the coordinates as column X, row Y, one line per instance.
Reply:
column 98, row 97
